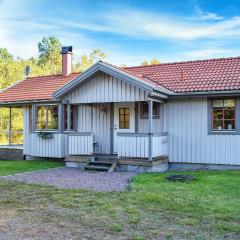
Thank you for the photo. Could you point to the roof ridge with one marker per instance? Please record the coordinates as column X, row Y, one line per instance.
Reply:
column 53, row 75
column 181, row 62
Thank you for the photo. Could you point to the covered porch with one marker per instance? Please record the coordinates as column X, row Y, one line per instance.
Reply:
column 127, row 130
column 11, row 132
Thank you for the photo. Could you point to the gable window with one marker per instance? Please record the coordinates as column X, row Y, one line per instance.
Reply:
column 144, row 110
column 47, row 117
column 73, row 117
column 224, row 114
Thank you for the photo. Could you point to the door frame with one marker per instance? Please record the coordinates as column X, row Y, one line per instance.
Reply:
column 115, row 122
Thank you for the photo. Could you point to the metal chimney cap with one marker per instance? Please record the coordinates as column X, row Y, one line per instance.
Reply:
column 27, row 70
column 66, row 49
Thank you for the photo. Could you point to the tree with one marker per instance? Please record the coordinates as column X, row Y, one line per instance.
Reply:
column 49, row 54
column 154, row 61
column 87, row 61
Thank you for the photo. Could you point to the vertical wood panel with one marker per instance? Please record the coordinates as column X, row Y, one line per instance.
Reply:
column 189, row 141
column 103, row 88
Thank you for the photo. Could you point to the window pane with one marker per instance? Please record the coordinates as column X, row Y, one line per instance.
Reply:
column 41, row 125
column 217, row 124
column 127, row 110
column 145, row 108
column 229, row 113
column 127, row 118
column 229, row 103
column 73, row 116
column 121, row 125
column 41, row 118
column 217, row 103
column 145, row 111
column 229, row 124
column 121, row 110
column 127, row 125
column 53, row 117
column 217, row 114
column 124, row 118
column 155, row 107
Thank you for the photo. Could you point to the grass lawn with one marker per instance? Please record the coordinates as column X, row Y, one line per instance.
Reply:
column 208, row 208
column 12, row 167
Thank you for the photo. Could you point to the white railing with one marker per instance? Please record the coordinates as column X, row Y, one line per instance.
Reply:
column 160, row 145
column 81, row 143
column 137, row 145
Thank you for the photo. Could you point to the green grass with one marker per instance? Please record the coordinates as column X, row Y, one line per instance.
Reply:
column 207, row 208
column 12, row 167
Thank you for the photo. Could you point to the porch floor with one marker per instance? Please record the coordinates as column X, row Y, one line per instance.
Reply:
column 12, row 146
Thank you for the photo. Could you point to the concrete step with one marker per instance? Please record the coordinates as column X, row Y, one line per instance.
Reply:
column 96, row 168
column 100, row 163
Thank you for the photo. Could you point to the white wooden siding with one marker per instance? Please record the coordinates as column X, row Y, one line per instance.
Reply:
column 133, row 146
column 81, row 144
column 54, row 147
column 189, row 141
column 160, row 145
column 101, row 127
column 103, row 88
column 84, row 123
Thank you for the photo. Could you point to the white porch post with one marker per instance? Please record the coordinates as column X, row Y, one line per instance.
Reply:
column 69, row 118
column 150, row 130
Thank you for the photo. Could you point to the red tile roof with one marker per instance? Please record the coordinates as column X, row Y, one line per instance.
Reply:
column 35, row 88
column 180, row 77
column 193, row 76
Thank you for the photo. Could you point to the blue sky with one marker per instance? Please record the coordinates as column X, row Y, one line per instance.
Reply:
column 127, row 31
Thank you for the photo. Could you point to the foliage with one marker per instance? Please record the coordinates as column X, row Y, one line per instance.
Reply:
column 154, row 61
column 87, row 61
column 12, row 167
column 50, row 54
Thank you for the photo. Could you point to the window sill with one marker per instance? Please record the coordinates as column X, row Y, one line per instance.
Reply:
column 47, row 131
column 146, row 117
column 223, row 132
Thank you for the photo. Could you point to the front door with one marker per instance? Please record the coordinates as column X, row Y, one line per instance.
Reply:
column 124, row 121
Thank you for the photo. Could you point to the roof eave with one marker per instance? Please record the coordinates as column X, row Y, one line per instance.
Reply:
column 27, row 102
column 206, row 93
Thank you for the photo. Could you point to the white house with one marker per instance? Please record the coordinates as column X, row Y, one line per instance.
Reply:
column 146, row 118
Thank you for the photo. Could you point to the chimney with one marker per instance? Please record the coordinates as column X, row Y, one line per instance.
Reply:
column 66, row 60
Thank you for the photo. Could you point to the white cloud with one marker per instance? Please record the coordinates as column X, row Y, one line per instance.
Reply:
column 206, row 53
column 147, row 25
column 203, row 15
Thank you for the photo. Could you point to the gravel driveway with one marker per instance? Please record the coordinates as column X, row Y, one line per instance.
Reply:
column 75, row 179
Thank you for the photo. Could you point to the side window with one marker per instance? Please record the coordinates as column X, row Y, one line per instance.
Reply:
column 47, row 117
column 223, row 114
column 144, row 109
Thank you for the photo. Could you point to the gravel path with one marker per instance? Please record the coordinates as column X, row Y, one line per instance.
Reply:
column 75, row 179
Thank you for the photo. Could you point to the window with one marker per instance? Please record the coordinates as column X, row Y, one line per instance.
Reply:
column 144, row 110
column 47, row 117
column 224, row 114
column 73, row 117
column 124, row 118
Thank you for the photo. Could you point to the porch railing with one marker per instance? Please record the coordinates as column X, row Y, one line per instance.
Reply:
column 137, row 145
column 81, row 143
